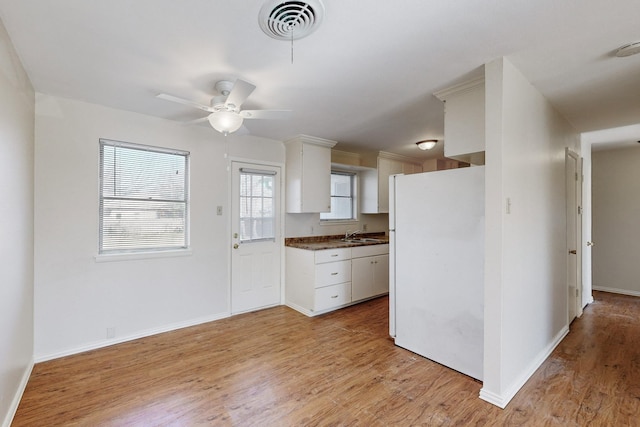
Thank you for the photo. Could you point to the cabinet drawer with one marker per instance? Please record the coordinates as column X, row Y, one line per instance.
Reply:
column 332, row 296
column 331, row 273
column 330, row 255
column 369, row 250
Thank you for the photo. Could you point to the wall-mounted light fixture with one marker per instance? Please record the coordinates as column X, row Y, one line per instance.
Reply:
column 427, row 144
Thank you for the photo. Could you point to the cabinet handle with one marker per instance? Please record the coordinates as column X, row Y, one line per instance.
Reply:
column 334, row 274
column 334, row 255
column 334, row 296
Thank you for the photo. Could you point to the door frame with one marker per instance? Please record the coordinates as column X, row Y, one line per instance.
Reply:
column 229, row 227
column 575, row 185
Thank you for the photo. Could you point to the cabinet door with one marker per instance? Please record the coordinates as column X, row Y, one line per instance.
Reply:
column 316, row 178
column 464, row 122
column 408, row 168
column 386, row 168
column 380, row 282
column 362, row 270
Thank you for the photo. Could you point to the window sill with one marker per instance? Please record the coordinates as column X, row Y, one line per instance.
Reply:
column 142, row 255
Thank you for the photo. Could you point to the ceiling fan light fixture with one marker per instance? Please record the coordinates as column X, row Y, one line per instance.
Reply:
column 427, row 144
column 225, row 122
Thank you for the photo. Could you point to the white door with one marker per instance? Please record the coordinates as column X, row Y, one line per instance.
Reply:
column 255, row 228
column 574, row 233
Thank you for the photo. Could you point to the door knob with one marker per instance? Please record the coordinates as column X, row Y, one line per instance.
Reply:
column 236, row 246
column 574, row 252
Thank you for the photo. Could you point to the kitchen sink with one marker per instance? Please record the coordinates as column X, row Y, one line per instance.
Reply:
column 363, row 240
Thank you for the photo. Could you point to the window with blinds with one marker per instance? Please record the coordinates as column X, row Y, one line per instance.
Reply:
column 144, row 198
column 342, row 197
column 257, row 214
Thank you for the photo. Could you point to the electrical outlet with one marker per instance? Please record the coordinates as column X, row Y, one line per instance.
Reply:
column 111, row 332
column 364, row 227
column 219, row 210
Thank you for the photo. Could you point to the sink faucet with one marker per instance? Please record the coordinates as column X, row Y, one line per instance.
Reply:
column 350, row 235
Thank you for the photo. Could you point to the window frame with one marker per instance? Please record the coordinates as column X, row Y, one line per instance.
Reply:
column 142, row 252
column 353, row 197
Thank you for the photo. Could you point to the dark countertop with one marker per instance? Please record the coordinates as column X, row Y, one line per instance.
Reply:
column 315, row 243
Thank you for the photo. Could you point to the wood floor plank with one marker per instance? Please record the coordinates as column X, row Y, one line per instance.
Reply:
column 277, row 367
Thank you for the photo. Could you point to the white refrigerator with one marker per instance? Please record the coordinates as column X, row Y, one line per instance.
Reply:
column 436, row 236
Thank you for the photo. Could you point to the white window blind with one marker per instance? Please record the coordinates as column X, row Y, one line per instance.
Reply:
column 257, row 213
column 144, row 199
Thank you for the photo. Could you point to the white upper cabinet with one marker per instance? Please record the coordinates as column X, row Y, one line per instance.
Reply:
column 464, row 121
column 375, row 183
column 308, row 174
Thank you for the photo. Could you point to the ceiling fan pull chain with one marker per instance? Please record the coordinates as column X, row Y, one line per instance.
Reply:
column 292, row 45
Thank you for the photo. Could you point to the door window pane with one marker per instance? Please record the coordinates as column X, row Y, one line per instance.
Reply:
column 257, row 213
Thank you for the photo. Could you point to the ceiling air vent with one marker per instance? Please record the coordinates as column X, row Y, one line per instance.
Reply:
column 290, row 20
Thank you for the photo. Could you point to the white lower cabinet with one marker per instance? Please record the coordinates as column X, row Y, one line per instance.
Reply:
column 369, row 271
column 317, row 281
column 321, row 281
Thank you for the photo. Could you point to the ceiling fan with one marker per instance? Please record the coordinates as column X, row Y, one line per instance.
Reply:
column 225, row 114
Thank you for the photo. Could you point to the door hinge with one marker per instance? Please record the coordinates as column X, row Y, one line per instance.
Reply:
column 579, row 210
column 576, row 176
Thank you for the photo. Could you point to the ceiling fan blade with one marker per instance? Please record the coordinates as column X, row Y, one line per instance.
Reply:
column 242, row 131
column 196, row 121
column 240, row 92
column 266, row 114
column 182, row 101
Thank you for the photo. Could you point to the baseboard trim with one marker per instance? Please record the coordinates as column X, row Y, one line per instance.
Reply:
column 311, row 313
column 617, row 291
column 502, row 400
column 15, row 402
column 131, row 337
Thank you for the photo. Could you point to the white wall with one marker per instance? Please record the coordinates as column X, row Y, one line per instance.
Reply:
column 301, row 225
column 525, row 266
column 76, row 298
column 616, row 209
column 16, row 228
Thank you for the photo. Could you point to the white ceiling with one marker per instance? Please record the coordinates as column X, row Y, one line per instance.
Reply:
column 365, row 78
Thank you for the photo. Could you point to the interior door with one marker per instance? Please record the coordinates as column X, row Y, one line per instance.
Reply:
column 574, row 233
column 255, row 228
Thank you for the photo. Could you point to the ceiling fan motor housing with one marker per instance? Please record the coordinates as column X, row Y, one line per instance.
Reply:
column 224, row 87
column 217, row 102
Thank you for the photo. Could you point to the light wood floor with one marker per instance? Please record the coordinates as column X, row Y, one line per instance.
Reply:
column 277, row 367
